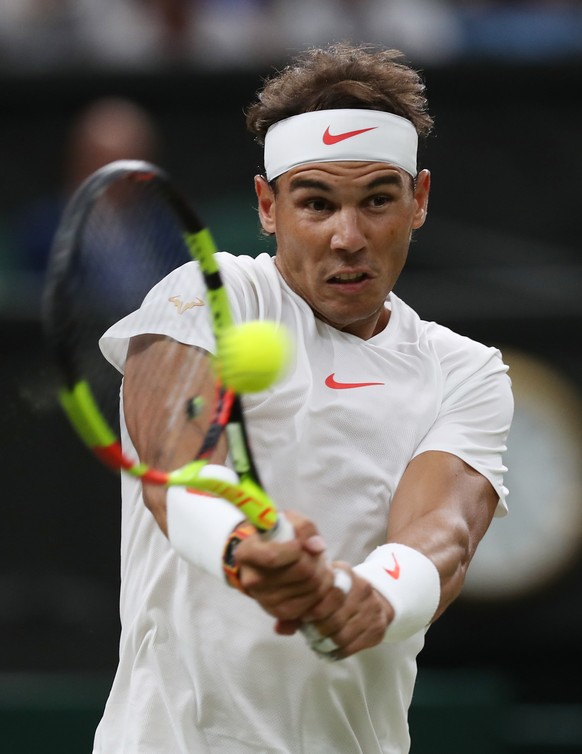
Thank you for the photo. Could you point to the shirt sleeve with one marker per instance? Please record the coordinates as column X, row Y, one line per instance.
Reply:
column 475, row 414
column 175, row 307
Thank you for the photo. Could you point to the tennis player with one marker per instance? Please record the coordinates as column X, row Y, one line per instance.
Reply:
column 383, row 443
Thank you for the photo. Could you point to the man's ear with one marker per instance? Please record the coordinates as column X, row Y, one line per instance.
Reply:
column 266, row 199
column 421, row 193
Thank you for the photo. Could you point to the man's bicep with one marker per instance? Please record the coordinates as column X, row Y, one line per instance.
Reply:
column 440, row 482
column 161, row 378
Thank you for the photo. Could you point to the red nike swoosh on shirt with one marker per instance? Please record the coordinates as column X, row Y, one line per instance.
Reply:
column 335, row 385
column 330, row 139
column 394, row 572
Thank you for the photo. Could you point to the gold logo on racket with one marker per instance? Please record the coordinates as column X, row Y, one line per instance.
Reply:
column 183, row 306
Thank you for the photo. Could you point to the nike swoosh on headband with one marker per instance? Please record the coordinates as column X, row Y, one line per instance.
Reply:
column 331, row 382
column 330, row 139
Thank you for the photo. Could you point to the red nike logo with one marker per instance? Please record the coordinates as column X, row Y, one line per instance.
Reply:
column 394, row 572
column 330, row 139
column 335, row 385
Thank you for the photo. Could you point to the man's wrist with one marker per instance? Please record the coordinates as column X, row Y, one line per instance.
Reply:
column 199, row 526
column 230, row 567
column 409, row 581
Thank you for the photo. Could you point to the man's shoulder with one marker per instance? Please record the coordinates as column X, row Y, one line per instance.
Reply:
column 449, row 346
column 245, row 263
column 253, row 285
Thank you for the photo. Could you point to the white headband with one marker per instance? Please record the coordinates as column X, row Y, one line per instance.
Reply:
column 340, row 135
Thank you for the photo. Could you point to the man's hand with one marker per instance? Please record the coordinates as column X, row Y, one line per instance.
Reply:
column 286, row 578
column 294, row 582
column 358, row 622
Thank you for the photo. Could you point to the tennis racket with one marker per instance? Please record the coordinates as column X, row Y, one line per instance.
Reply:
column 124, row 230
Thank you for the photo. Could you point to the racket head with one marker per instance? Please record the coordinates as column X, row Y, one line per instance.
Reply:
column 125, row 229
column 122, row 231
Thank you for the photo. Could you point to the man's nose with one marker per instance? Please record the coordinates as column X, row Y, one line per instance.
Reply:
column 348, row 234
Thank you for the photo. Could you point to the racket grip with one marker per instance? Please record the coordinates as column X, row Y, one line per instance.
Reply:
column 322, row 646
column 283, row 530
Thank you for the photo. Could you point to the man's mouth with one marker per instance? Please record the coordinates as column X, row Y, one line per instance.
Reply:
column 348, row 277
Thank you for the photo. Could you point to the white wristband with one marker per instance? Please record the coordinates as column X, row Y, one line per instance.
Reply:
column 409, row 581
column 199, row 526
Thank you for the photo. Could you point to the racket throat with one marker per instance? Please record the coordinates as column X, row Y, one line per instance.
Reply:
column 237, row 445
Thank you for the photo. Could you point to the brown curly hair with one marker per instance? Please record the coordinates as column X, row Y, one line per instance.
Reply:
column 341, row 76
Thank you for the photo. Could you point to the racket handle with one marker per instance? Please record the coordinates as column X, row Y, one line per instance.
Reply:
column 322, row 646
column 283, row 530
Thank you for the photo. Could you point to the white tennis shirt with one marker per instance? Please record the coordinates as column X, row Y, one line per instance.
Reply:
column 201, row 669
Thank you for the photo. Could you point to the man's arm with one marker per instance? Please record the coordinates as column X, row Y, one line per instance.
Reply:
column 442, row 508
column 164, row 436
column 154, row 401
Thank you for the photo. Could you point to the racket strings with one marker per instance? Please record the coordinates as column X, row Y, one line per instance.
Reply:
column 127, row 241
column 120, row 244
column 189, row 403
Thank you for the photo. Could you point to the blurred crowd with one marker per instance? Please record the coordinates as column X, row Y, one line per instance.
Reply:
column 38, row 36
column 52, row 34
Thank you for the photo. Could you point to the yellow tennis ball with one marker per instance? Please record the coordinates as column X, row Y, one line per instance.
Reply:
column 252, row 356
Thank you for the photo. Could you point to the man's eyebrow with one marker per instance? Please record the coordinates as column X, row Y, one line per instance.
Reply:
column 394, row 179
column 298, row 183
column 308, row 183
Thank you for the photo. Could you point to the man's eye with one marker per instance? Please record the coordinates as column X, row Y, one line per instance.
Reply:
column 380, row 201
column 317, row 205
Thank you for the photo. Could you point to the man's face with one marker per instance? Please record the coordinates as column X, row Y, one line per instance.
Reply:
column 343, row 230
